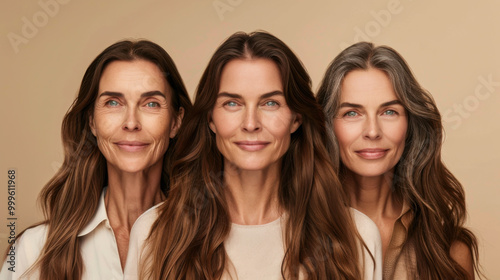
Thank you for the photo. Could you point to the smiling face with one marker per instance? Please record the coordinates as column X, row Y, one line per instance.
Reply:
column 371, row 123
column 251, row 119
column 133, row 115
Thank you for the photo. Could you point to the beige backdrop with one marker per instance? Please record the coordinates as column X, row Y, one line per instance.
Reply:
column 453, row 48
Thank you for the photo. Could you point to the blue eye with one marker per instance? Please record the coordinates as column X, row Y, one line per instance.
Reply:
column 271, row 103
column 390, row 112
column 113, row 103
column 231, row 104
column 152, row 104
column 351, row 114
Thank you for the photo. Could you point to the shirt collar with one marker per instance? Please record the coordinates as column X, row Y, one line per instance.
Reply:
column 99, row 216
column 406, row 216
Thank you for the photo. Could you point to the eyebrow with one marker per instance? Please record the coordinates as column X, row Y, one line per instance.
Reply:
column 145, row 94
column 235, row 95
column 354, row 105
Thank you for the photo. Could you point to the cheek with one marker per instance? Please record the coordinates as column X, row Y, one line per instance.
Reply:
column 225, row 126
column 345, row 134
column 279, row 125
column 106, row 125
column 223, row 131
column 158, row 127
column 397, row 133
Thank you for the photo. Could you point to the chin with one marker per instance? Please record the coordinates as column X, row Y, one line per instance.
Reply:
column 131, row 166
column 371, row 172
column 250, row 166
column 131, row 169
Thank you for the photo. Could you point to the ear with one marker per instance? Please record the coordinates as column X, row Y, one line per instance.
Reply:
column 211, row 123
column 176, row 124
column 92, row 125
column 296, row 123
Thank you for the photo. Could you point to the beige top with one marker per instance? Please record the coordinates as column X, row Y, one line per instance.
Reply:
column 399, row 262
column 97, row 246
column 255, row 246
column 257, row 251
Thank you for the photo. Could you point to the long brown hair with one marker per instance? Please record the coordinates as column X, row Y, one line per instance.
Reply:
column 420, row 178
column 187, row 240
column 70, row 199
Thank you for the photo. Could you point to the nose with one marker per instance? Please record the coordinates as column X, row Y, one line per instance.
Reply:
column 131, row 122
column 251, row 121
column 372, row 129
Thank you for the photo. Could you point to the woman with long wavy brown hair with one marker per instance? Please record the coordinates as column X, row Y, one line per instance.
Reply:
column 385, row 141
column 253, row 192
column 117, row 138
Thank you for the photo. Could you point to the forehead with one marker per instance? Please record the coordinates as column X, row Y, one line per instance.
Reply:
column 136, row 75
column 364, row 86
column 250, row 76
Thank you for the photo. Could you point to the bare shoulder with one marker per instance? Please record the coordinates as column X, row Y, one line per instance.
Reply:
column 461, row 253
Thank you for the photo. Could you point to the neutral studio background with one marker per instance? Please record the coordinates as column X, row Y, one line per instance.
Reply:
column 452, row 47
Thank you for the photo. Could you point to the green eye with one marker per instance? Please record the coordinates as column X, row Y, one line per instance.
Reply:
column 271, row 103
column 152, row 104
column 351, row 114
column 390, row 112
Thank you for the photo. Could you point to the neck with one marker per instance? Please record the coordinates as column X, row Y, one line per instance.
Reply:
column 131, row 194
column 374, row 196
column 252, row 196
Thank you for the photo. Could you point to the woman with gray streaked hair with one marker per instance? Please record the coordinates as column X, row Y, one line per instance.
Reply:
column 385, row 141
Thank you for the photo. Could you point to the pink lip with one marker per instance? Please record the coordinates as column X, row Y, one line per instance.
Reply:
column 372, row 153
column 131, row 146
column 252, row 146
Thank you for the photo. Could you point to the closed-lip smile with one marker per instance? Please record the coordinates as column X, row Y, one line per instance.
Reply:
column 372, row 153
column 131, row 146
column 252, row 146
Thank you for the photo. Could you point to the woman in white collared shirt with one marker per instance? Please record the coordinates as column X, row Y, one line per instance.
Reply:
column 118, row 133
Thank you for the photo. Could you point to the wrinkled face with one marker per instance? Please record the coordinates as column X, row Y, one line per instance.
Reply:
column 371, row 123
column 133, row 115
column 251, row 119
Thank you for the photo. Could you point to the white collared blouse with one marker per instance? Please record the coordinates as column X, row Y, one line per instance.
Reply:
column 98, row 248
